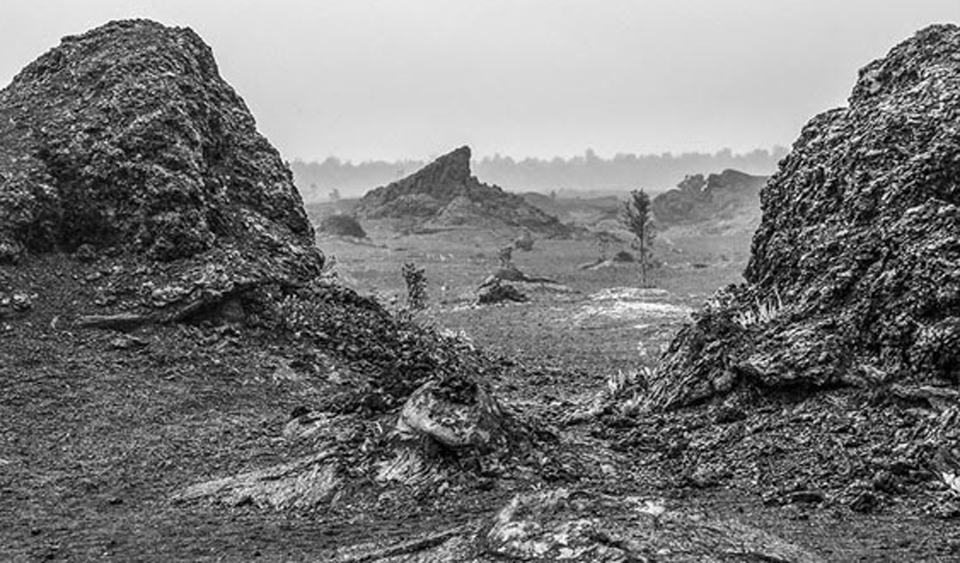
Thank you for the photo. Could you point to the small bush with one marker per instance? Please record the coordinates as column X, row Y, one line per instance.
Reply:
column 524, row 242
column 505, row 256
column 342, row 226
column 416, row 281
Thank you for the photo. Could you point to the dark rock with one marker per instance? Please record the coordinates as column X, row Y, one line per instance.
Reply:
column 341, row 226
column 727, row 414
column 885, row 482
column 445, row 193
column 865, row 503
column 855, row 268
column 86, row 253
column 498, row 292
column 127, row 139
column 127, row 342
column 805, row 497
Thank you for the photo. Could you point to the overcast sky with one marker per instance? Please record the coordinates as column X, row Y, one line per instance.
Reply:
column 363, row 79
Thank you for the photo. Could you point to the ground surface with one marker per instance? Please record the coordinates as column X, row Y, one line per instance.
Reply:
column 98, row 433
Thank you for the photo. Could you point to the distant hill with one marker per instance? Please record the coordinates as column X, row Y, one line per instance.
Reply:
column 445, row 194
column 727, row 195
column 586, row 172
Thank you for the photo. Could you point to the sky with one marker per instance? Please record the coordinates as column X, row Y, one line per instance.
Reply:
column 396, row 79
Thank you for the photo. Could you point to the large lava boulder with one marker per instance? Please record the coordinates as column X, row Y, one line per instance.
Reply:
column 125, row 141
column 446, row 194
column 854, row 275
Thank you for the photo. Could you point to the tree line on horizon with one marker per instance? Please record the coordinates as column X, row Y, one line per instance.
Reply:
column 334, row 178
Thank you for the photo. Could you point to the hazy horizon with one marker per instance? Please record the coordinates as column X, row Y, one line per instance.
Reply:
column 394, row 80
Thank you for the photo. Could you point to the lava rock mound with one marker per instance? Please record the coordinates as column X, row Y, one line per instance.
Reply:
column 720, row 195
column 127, row 138
column 445, row 194
column 854, row 276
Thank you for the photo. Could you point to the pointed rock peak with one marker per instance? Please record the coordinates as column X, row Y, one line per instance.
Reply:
column 451, row 168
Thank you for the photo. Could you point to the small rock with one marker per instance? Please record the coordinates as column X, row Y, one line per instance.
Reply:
column 728, row 413
column 865, row 503
column 805, row 497
column 127, row 342
column 86, row 253
column 885, row 482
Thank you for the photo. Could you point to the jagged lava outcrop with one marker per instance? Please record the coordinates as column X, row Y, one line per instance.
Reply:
column 445, row 193
column 124, row 144
column 854, row 275
column 717, row 196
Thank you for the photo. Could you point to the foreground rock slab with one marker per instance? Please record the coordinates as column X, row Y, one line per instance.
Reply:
column 567, row 525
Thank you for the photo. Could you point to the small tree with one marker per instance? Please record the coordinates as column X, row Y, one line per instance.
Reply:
column 637, row 218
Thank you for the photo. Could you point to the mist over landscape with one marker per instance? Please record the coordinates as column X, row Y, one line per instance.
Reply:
column 432, row 281
column 588, row 173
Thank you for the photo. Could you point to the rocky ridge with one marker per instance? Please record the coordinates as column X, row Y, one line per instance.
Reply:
column 446, row 194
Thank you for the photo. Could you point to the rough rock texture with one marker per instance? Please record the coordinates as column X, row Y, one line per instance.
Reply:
column 445, row 193
column 126, row 142
column 718, row 196
column 456, row 412
column 500, row 292
column 570, row 525
column 854, row 275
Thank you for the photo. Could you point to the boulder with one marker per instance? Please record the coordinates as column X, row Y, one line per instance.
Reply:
column 498, row 292
column 854, row 274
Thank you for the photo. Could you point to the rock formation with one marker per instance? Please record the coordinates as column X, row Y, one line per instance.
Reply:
column 341, row 225
column 445, row 193
column 854, row 276
column 124, row 143
column 697, row 199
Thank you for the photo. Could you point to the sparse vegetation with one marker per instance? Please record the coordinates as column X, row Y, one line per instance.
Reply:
column 416, row 280
column 505, row 256
column 604, row 240
column 764, row 312
column 638, row 219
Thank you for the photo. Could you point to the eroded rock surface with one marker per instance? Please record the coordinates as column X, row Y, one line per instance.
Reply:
column 570, row 525
column 125, row 146
column 854, row 275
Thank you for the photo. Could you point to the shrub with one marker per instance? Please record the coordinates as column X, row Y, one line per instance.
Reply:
column 416, row 281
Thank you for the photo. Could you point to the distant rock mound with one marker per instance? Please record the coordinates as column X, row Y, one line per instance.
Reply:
column 445, row 193
column 341, row 226
column 126, row 142
column 854, row 276
column 719, row 196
